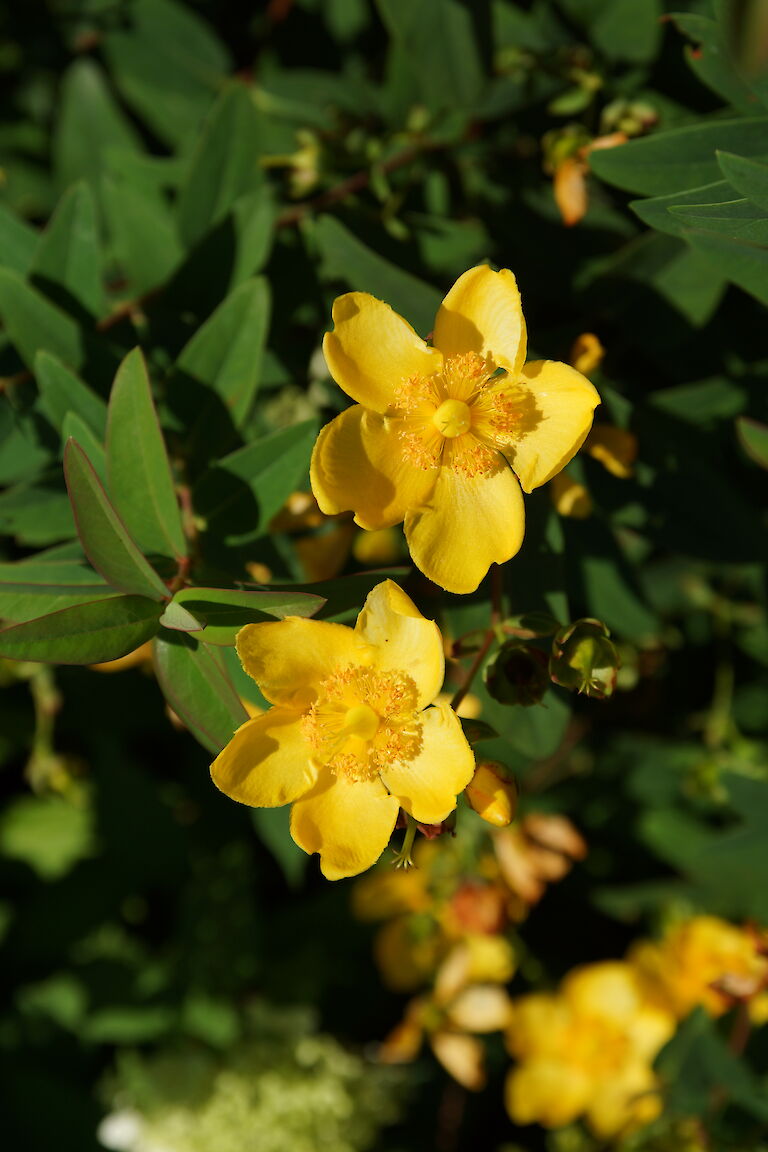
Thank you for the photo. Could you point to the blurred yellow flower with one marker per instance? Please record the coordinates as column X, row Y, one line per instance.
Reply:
column 382, row 546
column 615, row 448
column 351, row 737
column 450, row 1017
column 537, row 851
column 444, row 436
column 587, row 1049
column 702, row 961
column 586, row 353
column 569, row 497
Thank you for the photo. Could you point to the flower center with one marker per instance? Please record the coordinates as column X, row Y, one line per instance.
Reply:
column 460, row 417
column 453, row 418
column 363, row 721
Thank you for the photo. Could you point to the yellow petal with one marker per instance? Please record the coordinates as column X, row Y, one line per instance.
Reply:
column 586, row 353
column 482, row 313
column 626, row 1101
column 540, row 1026
column 428, row 785
column 481, row 1008
column 372, row 350
column 569, row 497
column 358, row 466
column 547, row 1092
column 402, row 639
column 608, row 989
column 468, row 524
column 615, row 448
column 290, row 658
column 348, row 822
column 463, row 1057
column 266, row 763
column 558, row 426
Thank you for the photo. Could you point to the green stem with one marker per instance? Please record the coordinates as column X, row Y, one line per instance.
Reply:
column 403, row 857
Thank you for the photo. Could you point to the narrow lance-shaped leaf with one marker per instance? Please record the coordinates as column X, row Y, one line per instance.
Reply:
column 754, row 439
column 241, row 494
column 748, row 177
column 223, row 612
column 68, row 254
column 224, row 165
column 681, row 158
column 140, row 480
column 226, row 353
column 89, row 633
column 195, row 686
column 76, row 429
column 63, row 392
column 104, row 537
column 33, row 323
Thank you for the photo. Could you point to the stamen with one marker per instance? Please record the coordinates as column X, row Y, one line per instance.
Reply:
column 363, row 721
column 461, row 416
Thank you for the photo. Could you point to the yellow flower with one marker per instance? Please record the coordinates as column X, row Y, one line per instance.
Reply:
column 701, row 961
column 444, row 437
column 350, row 738
column 449, row 1016
column 615, row 448
column 587, row 1049
column 569, row 497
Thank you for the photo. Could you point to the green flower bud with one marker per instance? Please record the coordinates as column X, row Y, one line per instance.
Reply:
column 518, row 674
column 584, row 659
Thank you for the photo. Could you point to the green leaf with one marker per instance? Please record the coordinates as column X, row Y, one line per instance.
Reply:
column 744, row 264
column 241, row 494
column 655, row 212
column 18, row 242
column 698, row 1066
column 746, row 176
column 253, row 217
column 34, row 324
column 89, row 633
column 347, row 259
column 104, row 537
column 140, row 480
column 680, row 158
column 437, row 38
column 68, row 254
column 224, row 612
column 48, row 833
column 224, row 165
column 226, row 353
column 89, row 122
column 57, row 578
column 753, row 437
column 711, row 61
column 178, row 619
column 63, row 392
column 143, row 233
column 76, row 429
column 717, row 861
column 36, row 513
column 168, row 66
column 198, row 690
column 738, row 220
column 628, row 30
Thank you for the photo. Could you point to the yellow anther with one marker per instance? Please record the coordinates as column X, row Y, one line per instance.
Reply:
column 452, row 418
column 361, row 721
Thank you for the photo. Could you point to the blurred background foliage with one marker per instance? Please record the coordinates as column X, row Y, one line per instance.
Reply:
column 201, row 179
